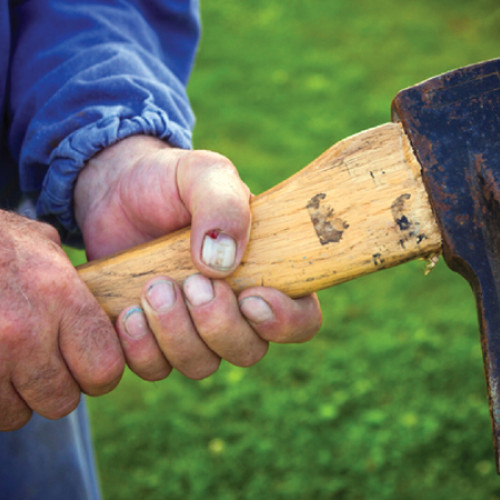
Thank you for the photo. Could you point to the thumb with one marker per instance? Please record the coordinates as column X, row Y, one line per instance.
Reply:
column 218, row 201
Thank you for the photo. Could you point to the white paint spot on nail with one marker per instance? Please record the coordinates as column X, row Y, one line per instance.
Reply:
column 218, row 251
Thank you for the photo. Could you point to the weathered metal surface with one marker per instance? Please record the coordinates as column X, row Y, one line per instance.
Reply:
column 453, row 122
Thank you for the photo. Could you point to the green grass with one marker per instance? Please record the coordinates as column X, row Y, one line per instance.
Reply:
column 388, row 402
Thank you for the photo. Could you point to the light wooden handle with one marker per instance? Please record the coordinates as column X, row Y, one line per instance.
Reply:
column 360, row 207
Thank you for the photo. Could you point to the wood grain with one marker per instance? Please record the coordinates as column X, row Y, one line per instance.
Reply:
column 360, row 207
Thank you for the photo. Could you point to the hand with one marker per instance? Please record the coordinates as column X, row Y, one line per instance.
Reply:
column 55, row 340
column 141, row 189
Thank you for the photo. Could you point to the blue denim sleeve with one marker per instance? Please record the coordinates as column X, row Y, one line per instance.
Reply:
column 85, row 74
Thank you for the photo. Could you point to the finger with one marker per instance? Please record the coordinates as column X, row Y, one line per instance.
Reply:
column 278, row 318
column 14, row 412
column 47, row 387
column 216, row 316
column 171, row 323
column 142, row 352
column 88, row 342
column 35, row 368
column 210, row 187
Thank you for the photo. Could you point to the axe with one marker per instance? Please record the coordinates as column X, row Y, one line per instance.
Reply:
column 427, row 183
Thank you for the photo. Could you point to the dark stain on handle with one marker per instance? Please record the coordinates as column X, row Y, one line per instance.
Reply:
column 329, row 228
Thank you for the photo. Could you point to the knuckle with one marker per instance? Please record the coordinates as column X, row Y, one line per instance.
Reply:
column 46, row 387
column 15, row 421
column 153, row 374
column 277, row 332
column 49, row 389
column 251, row 358
column 91, row 347
column 213, row 167
column 50, row 232
column 64, row 405
column 210, row 158
column 150, row 365
column 201, row 371
column 14, row 413
column 46, row 284
column 183, row 357
column 104, row 378
column 304, row 335
column 314, row 325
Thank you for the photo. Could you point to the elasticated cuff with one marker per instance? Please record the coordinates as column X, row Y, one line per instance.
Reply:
column 55, row 203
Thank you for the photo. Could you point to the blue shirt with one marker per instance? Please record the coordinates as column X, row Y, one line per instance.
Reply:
column 76, row 77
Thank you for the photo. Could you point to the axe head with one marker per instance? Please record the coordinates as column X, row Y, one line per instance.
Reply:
column 453, row 123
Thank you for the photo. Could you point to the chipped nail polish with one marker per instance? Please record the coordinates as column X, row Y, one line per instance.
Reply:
column 218, row 250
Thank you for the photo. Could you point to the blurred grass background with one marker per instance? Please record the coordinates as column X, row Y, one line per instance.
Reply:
column 389, row 401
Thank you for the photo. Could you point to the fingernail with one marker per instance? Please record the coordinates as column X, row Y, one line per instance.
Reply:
column 256, row 309
column 161, row 295
column 218, row 251
column 135, row 323
column 198, row 289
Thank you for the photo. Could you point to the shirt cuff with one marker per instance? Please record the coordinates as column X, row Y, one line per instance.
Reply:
column 55, row 203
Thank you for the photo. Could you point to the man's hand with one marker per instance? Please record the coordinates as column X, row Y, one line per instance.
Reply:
column 55, row 340
column 140, row 189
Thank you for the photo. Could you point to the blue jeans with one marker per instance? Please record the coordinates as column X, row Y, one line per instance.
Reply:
column 49, row 460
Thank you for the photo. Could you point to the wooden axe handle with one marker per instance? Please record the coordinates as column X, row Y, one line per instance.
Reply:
column 360, row 207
